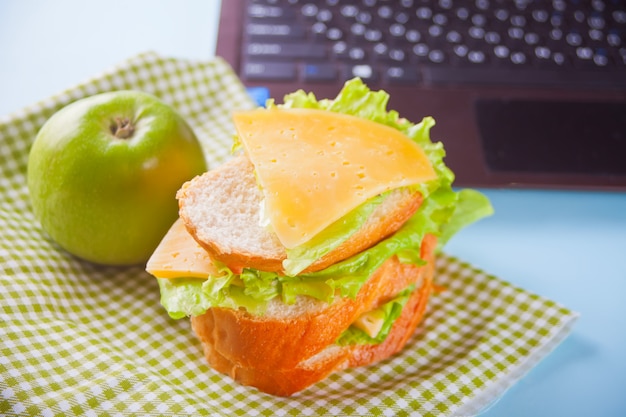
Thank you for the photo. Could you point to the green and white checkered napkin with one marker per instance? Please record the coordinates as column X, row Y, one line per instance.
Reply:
column 79, row 339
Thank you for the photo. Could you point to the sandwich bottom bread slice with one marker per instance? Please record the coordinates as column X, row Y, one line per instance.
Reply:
column 280, row 312
column 297, row 345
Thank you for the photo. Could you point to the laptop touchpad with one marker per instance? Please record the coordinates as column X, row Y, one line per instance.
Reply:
column 553, row 137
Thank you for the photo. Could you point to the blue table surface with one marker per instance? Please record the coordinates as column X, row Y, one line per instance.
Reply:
column 568, row 246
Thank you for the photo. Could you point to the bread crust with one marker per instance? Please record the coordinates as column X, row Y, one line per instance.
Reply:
column 284, row 356
column 238, row 173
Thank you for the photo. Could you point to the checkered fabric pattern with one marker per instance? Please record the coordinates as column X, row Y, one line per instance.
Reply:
column 80, row 339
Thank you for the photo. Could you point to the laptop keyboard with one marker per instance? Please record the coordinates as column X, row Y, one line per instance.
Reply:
column 559, row 43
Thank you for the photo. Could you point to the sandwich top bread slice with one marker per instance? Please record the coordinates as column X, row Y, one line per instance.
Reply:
column 313, row 249
column 221, row 209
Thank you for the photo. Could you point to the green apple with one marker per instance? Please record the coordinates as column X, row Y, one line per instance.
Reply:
column 103, row 174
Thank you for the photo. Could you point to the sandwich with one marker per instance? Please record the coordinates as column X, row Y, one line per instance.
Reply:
column 312, row 249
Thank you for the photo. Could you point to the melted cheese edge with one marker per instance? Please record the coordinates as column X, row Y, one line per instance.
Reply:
column 179, row 255
column 315, row 166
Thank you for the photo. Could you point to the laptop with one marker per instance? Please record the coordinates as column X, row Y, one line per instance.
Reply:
column 528, row 94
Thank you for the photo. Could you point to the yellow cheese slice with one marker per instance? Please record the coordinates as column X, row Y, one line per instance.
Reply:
column 370, row 322
column 315, row 166
column 179, row 255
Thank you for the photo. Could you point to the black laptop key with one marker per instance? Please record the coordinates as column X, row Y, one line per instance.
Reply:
column 285, row 50
column 269, row 71
column 401, row 75
column 274, row 31
column 264, row 12
column 319, row 72
column 364, row 71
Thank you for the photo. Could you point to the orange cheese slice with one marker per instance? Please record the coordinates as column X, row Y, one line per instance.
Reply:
column 179, row 255
column 315, row 166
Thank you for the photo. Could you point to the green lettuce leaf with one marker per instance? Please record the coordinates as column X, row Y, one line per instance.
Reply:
column 471, row 206
column 300, row 257
column 183, row 297
column 253, row 289
column 388, row 312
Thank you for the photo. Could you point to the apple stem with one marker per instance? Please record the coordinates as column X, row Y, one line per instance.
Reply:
column 122, row 128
